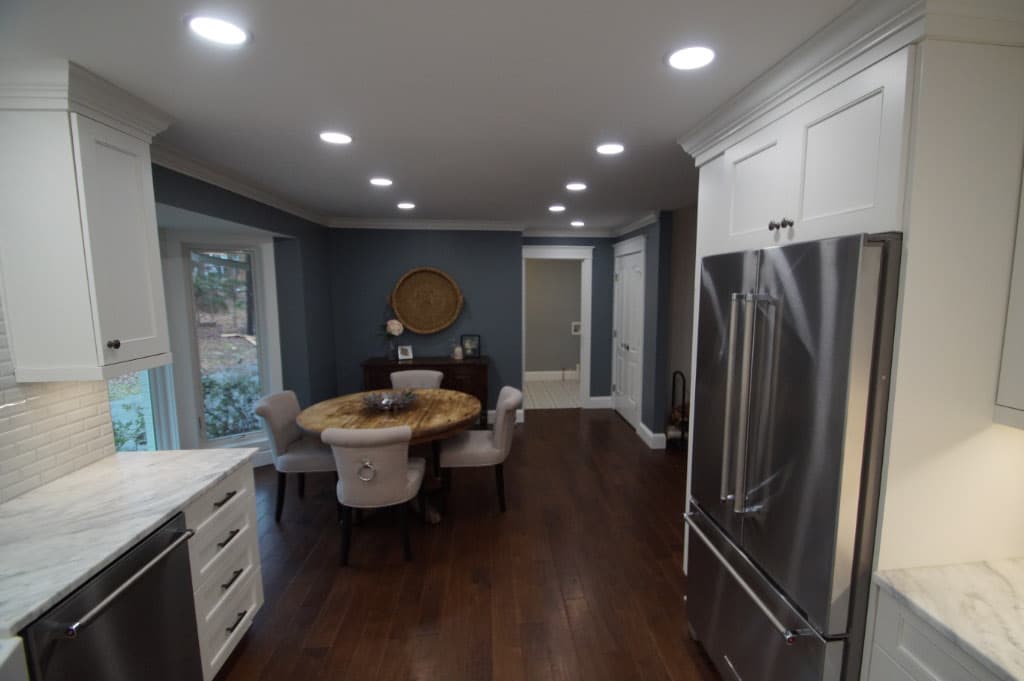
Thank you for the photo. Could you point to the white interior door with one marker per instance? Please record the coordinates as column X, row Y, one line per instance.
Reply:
column 628, row 335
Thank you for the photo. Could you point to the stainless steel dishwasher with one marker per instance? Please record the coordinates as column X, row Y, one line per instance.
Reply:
column 134, row 621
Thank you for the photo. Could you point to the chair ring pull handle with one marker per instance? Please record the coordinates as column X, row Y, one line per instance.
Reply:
column 366, row 472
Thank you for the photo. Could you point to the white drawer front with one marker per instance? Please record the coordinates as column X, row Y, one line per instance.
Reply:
column 220, row 498
column 229, row 621
column 229, row 569
column 220, row 533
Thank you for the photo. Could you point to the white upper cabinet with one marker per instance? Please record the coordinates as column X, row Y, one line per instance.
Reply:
column 1010, row 398
column 79, row 256
column 831, row 166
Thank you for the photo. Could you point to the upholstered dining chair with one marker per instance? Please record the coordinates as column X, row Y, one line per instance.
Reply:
column 291, row 450
column 416, row 378
column 374, row 471
column 475, row 448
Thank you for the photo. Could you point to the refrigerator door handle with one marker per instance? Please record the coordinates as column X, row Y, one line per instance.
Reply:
column 730, row 386
column 739, row 500
column 789, row 635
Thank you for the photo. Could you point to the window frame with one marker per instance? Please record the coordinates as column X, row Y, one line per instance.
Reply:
column 183, row 400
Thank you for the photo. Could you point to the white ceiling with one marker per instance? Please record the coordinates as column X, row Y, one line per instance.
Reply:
column 478, row 109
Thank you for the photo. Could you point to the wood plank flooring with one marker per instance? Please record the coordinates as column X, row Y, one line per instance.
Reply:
column 580, row 579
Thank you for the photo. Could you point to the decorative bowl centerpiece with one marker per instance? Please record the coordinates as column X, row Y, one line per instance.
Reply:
column 389, row 400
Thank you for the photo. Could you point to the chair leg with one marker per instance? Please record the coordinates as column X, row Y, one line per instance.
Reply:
column 446, row 487
column 421, row 500
column 499, row 478
column 436, row 447
column 346, row 533
column 403, row 522
column 281, row 480
column 302, row 485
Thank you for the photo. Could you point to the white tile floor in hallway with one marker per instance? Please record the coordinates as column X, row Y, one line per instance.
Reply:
column 551, row 394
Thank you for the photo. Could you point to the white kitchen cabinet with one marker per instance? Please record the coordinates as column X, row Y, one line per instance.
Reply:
column 827, row 168
column 224, row 557
column 83, row 292
column 907, row 648
column 1010, row 397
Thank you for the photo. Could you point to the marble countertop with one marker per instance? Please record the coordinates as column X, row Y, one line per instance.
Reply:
column 57, row 536
column 979, row 606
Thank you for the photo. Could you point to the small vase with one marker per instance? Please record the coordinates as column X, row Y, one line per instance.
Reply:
column 392, row 352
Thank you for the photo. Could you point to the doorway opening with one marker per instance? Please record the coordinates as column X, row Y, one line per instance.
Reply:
column 557, row 284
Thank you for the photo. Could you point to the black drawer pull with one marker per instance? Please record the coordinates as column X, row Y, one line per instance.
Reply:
column 234, row 578
column 226, row 499
column 231, row 535
column 241, row 616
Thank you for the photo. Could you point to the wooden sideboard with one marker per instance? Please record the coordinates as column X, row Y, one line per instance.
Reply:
column 465, row 375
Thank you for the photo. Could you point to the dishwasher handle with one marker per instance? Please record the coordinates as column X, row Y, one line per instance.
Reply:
column 71, row 631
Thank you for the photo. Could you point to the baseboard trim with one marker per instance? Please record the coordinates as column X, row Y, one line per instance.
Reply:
column 520, row 416
column 651, row 439
column 603, row 402
column 567, row 375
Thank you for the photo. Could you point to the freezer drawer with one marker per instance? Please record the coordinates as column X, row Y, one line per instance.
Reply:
column 747, row 628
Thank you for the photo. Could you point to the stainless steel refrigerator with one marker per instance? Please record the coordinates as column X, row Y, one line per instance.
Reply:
column 794, row 351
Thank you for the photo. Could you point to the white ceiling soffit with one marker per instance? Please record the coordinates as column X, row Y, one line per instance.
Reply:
column 480, row 111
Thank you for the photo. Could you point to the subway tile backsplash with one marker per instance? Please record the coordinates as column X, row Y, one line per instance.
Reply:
column 47, row 429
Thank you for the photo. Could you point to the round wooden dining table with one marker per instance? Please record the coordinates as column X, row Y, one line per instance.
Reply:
column 435, row 415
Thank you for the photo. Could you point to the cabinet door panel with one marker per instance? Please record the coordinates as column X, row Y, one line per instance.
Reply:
column 760, row 171
column 853, row 149
column 119, row 221
column 841, row 160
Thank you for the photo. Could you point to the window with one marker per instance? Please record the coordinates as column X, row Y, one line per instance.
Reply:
column 131, row 410
column 226, row 337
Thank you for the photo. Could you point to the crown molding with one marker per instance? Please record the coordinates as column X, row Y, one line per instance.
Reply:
column 179, row 162
column 869, row 31
column 581, row 233
column 435, row 225
column 869, row 26
column 640, row 222
column 61, row 85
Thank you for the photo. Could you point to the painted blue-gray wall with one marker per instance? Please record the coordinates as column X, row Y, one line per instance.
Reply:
column 303, row 277
column 657, row 264
column 365, row 265
column 600, row 306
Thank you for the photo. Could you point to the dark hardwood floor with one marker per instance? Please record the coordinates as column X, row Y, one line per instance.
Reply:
column 580, row 579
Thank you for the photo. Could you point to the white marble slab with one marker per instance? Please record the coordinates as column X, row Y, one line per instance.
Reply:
column 979, row 606
column 57, row 536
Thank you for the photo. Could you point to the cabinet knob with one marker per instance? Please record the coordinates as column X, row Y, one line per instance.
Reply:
column 772, row 226
column 786, row 222
column 114, row 344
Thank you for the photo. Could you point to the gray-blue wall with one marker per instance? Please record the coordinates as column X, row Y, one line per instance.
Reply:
column 365, row 265
column 303, row 277
column 600, row 307
column 657, row 264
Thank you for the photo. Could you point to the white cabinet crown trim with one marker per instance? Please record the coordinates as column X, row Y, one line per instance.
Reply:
column 867, row 32
column 61, row 85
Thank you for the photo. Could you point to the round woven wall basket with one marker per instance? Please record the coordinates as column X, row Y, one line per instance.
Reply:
column 426, row 300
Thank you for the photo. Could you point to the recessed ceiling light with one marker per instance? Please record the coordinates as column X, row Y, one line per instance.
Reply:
column 690, row 58
column 406, row 205
column 576, row 186
column 381, row 182
column 332, row 137
column 611, row 148
column 557, row 208
column 577, row 223
column 217, row 30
